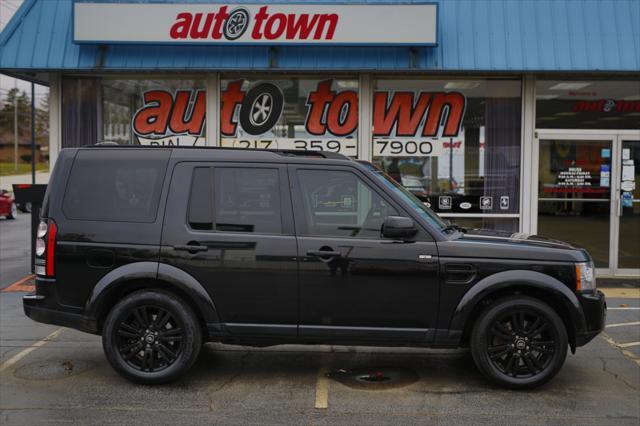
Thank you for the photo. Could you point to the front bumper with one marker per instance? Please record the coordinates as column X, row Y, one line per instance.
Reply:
column 594, row 306
column 42, row 306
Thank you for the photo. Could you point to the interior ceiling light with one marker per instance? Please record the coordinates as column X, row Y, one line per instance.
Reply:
column 347, row 84
column 546, row 97
column 461, row 85
column 570, row 85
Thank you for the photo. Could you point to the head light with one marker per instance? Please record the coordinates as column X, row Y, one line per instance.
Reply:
column 585, row 276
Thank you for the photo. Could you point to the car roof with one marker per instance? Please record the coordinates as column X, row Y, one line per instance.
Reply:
column 235, row 154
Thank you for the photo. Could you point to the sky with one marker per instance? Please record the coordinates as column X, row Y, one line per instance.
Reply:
column 7, row 9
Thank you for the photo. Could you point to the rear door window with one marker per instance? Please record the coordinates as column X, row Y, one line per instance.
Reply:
column 247, row 200
column 200, row 208
column 112, row 185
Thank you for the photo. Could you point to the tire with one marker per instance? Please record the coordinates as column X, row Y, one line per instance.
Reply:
column 25, row 208
column 13, row 212
column 519, row 343
column 271, row 97
column 139, row 342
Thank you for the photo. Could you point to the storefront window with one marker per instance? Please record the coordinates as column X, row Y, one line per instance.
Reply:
column 453, row 143
column 290, row 113
column 587, row 104
column 133, row 111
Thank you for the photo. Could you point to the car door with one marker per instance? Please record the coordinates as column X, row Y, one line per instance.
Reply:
column 230, row 226
column 355, row 285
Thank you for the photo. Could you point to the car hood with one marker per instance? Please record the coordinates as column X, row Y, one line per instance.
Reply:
column 508, row 245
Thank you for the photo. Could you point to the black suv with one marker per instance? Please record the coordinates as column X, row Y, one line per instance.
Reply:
column 160, row 249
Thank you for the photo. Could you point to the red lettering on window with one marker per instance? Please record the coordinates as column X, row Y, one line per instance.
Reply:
column 452, row 105
column 185, row 121
column 153, row 117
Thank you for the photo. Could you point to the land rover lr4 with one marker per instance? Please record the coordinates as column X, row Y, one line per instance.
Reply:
column 162, row 249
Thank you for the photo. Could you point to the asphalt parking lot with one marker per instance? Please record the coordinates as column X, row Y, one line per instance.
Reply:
column 52, row 375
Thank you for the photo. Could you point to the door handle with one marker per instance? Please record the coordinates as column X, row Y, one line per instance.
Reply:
column 191, row 248
column 324, row 253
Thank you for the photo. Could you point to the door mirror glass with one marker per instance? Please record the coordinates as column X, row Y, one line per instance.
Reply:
column 398, row 227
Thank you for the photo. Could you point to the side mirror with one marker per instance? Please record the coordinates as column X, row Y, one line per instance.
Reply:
column 398, row 227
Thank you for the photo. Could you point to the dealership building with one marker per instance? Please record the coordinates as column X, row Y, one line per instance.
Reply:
column 522, row 116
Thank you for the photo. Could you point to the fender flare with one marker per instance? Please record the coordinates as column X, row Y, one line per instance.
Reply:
column 505, row 279
column 166, row 276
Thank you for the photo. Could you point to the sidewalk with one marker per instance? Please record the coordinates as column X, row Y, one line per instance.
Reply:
column 6, row 182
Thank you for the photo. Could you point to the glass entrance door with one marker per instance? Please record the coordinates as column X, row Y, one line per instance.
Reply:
column 628, row 188
column 574, row 193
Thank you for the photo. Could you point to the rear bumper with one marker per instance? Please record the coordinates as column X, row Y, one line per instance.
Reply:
column 594, row 306
column 42, row 306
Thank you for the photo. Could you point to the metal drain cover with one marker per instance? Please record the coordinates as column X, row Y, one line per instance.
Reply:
column 377, row 378
column 52, row 369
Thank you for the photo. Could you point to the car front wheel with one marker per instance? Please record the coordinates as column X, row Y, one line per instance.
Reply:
column 519, row 342
column 151, row 337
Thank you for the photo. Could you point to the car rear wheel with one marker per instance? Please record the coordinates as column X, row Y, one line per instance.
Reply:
column 151, row 337
column 519, row 343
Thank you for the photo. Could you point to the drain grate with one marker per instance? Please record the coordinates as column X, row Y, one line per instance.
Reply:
column 376, row 378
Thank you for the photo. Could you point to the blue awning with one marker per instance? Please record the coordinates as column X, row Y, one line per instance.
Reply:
column 473, row 36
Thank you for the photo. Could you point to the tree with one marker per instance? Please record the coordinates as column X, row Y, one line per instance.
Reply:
column 23, row 102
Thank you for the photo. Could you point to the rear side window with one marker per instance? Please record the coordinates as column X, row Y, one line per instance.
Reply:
column 115, row 185
column 200, row 211
column 247, row 200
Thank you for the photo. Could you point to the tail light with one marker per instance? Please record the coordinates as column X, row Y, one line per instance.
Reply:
column 46, row 248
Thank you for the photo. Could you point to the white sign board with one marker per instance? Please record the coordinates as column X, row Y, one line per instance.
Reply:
column 267, row 23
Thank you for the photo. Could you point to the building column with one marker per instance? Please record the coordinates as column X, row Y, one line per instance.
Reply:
column 365, row 129
column 55, row 118
column 528, row 158
column 212, row 134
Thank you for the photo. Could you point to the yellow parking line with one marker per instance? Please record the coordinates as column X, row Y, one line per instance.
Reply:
column 628, row 345
column 322, row 390
column 624, row 352
column 17, row 357
column 623, row 324
column 622, row 292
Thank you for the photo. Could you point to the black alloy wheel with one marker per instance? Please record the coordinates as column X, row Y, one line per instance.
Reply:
column 519, row 342
column 151, row 337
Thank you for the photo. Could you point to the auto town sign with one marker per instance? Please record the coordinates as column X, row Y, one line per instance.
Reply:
column 272, row 23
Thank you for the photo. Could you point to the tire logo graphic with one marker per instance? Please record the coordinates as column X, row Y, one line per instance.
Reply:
column 261, row 109
column 236, row 24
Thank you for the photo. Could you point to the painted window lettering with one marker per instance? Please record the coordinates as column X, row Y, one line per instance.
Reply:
column 404, row 123
column 165, row 116
column 265, row 25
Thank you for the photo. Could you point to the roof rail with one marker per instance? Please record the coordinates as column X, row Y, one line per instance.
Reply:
column 306, row 153
column 286, row 152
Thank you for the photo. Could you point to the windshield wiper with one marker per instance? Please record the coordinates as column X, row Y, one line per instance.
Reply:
column 454, row 227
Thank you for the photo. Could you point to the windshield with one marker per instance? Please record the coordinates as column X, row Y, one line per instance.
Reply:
column 424, row 211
